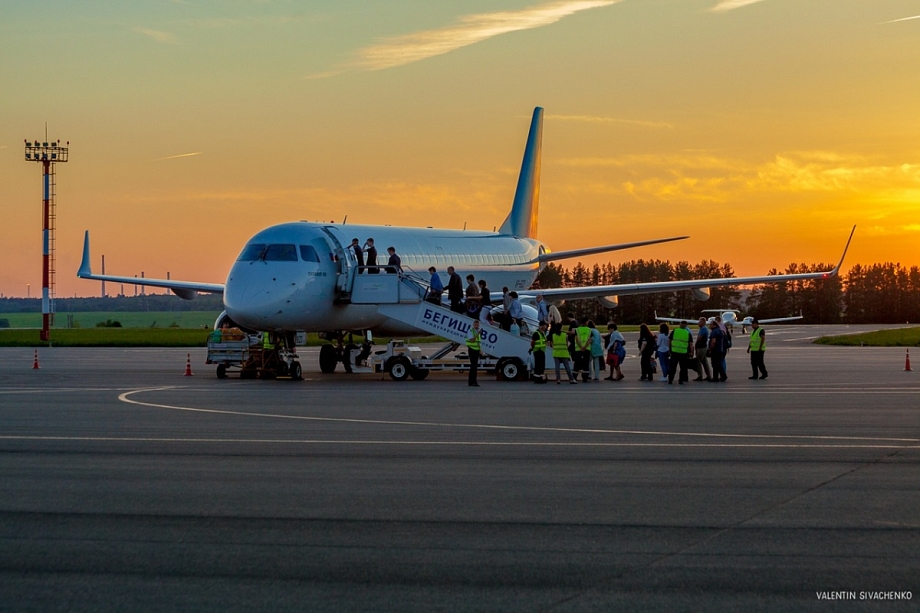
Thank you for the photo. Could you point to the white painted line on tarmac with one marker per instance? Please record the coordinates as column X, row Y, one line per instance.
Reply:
column 51, row 390
column 121, row 439
column 125, row 398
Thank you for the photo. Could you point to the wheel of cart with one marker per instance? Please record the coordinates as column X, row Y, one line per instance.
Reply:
column 221, row 371
column 296, row 371
column 399, row 367
column 510, row 369
column 328, row 358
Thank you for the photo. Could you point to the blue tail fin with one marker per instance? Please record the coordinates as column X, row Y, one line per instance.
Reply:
column 522, row 220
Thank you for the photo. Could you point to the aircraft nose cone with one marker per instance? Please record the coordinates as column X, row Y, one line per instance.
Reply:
column 256, row 295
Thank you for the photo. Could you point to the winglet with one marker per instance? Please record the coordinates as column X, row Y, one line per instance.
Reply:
column 522, row 220
column 840, row 263
column 86, row 269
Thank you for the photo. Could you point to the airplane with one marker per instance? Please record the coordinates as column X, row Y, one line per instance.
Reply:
column 729, row 318
column 297, row 277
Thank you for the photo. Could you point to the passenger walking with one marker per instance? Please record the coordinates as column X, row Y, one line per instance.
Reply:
column 582, row 355
column 717, row 352
column 454, row 290
column 757, row 345
column 559, row 341
column 538, row 348
column 485, row 303
column 647, row 346
column 664, row 344
column 681, row 346
column 516, row 312
column 371, row 252
column 473, row 347
column 542, row 309
column 435, row 287
column 359, row 253
column 506, row 310
column 616, row 352
column 597, row 352
column 394, row 264
column 472, row 297
column 554, row 316
column 702, row 352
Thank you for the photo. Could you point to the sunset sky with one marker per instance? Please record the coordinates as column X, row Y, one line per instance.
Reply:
column 764, row 129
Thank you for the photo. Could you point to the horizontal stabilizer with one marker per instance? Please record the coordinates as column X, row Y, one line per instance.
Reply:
column 575, row 253
column 184, row 289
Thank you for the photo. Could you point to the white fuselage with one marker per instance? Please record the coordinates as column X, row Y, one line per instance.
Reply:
column 294, row 286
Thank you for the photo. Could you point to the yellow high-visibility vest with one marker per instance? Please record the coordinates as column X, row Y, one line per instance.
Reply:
column 473, row 343
column 560, row 346
column 758, row 340
column 680, row 342
column 540, row 343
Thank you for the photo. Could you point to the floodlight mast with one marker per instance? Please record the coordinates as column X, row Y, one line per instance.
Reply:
column 48, row 153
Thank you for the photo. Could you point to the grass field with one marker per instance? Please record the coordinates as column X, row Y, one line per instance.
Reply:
column 108, row 337
column 899, row 337
column 128, row 319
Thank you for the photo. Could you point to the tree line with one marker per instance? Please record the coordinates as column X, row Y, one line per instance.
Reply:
column 875, row 293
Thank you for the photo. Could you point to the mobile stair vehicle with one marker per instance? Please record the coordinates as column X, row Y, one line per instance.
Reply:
column 402, row 298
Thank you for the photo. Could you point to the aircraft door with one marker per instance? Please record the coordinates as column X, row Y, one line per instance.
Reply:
column 346, row 263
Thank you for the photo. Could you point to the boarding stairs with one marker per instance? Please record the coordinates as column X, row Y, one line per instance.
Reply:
column 402, row 297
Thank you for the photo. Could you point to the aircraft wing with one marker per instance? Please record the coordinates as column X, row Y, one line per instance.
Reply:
column 577, row 253
column 779, row 319
column 184, row 289
column 629, row 289
column 673, row 320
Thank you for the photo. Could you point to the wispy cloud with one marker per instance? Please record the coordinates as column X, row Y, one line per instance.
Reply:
column 630, row 122
column 471, row 29
column 902, row 19
column 180, row 155
column 727, row 5
column 157, row 35
column 713, row 178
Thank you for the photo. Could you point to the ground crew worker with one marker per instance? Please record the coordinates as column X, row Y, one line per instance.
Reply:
column 473, row 347
column 582, row 352
column 681, row 346
column 559, row 341
column 538, row 348
column 756, row 347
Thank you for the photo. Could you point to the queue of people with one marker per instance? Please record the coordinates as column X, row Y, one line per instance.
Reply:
column 581, row 350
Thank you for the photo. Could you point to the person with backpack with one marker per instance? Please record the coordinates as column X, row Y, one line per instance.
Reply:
column 646, row 353
column 616, row 352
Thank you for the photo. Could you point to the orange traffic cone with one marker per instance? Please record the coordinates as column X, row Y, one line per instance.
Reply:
column 35, row 365
column 188, row 365
column 907, row 361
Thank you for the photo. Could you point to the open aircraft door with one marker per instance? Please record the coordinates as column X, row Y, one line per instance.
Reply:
column 346, row 263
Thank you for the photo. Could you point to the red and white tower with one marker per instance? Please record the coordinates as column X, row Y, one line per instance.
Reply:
column 48, row 153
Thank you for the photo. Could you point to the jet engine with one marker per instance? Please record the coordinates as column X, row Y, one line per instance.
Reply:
column 609, row 302
column 701, row 293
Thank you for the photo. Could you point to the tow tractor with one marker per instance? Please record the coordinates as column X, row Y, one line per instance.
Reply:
column 246, row 352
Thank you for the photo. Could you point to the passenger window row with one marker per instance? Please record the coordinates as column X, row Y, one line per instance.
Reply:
column 288, row 253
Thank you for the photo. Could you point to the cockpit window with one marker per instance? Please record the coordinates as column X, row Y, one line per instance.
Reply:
column 308, row 254
column 251, row 253
column 280, row 253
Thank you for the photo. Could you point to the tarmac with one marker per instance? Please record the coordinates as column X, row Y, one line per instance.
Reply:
column 127, row 486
